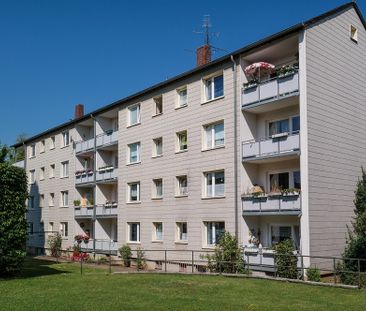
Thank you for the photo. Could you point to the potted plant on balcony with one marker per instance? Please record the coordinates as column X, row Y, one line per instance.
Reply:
column 91, row 202
column 108, row 204
column 275, row 191
column 290, row 192
column 286, row 70
column 76, row 202
column 79, row 238
column 86, row 239
column 114, row 204
column 90, row 171
column 250, row 84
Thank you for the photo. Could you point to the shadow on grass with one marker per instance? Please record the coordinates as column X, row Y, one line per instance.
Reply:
column 33, row 267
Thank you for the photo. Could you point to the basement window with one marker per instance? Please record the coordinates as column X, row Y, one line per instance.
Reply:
column 353, row 33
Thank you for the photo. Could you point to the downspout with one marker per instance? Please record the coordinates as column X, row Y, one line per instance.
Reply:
column 94, row 177
column 235, row 148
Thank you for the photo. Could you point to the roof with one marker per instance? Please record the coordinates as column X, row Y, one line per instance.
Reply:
column 226, row 58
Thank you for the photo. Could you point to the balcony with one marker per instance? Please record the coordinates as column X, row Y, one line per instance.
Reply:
column 101, row 245
column 274, row 89
column 107, row 210
column 106, row 139
column 266, row 150
column 106, row 174
column 84, row 177
column 84, row 146
column 281, row 204
column 84, row 212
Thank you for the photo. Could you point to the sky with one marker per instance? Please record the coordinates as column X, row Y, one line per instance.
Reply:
column 56, row 54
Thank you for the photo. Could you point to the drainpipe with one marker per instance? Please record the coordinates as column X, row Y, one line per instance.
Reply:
column 94, row 176
column 235, row 148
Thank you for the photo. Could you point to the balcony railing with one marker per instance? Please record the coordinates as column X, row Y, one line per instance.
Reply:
column 106, row 210
column 84, row 146
column 107, row 174
column 86, row 212
column 277, row 145
column 107, row 138
column 289, row 204
column 103, row 245
column 272, row 89
column 84, row 177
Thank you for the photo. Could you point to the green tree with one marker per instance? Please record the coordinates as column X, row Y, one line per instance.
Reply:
column 285, row 260
column 13, row 224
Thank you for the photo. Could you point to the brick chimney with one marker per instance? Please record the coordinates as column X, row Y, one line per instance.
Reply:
column 79, row 111
column 203, row 55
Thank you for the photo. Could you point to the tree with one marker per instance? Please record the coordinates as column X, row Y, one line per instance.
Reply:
column 13, row 224
column 285, row 260
column 11, row 155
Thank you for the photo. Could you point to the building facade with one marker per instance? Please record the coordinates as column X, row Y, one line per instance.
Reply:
column 265, row 156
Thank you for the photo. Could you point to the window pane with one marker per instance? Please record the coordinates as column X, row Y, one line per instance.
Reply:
column 297, row 180
column 209, row 136
column 133, row 232
column 210, row 239
column 134, row 153
column 134, row 115
column 209, row 184
column 219, row 231
column 296, row 124
column 209, row 89
column 219, row 183
column 134, row 195
column 183, row 97
column 219, row 134
column 219, row 86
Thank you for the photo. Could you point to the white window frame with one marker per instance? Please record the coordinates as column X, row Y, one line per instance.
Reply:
column 155, row 194
column 64, row 229
column 155, row 149
column 158, row 101
column 32, row 177
column 281, row 224
column 156, row 237
column 32, row 151
column 213, row 177
column 206, row 226
column 210, row 132
column 290, row 127
column 51, row 199
column 138, row 233
column 65, row 138
column 179, row 97
column 290, row 174
column 42, row 172
column 64, row 172
column 181, row 237
column 138, row 147
column 179, row 136
column 129, row 189
column 138, row 111
column 51, row 227
column 41, row 200
column 209, row 97
column 64, row 202
column 42, row 148
column 53, row 142
column 353, row 33
column 180, row 192
column 52, row 171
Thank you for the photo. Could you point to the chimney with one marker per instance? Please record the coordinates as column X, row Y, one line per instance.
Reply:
column 203, row 55
column 79, row 111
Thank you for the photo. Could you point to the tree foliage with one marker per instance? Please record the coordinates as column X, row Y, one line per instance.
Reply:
column 55, row 245
column 285, row 260
column 13, row 224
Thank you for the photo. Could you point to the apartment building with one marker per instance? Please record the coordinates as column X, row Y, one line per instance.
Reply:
column 265, row 157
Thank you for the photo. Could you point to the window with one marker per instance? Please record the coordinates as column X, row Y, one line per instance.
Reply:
column 134, row 115
column 157, row 147
column 32, row 178
column 134, row 232
column 214, row 231
column 158, row 231
column 42, row 148
column 134, row 192
column 41, row 173
column 158, row 188
column 50, row 227
column 182, row 97
column 31, row 201
column 215, row 184
column 182, row 232
column 158, row 105
column 41, row 226
column 284, row 180
column 64, row 169
column 214, row 87
column 182, row 185
column 182, row 143
column 65, row 138
column 280, row 233
column 134, row 153
column 41, row 200
column 64, row 229
column 64, row 198
column 290, row 125
column 214, row 135
column 32, row 151
column 51, row 200
column 30, row 228
column 297, row 179
column 52, row 142
column 353, row 33
column 52, row 170
column 295, row 122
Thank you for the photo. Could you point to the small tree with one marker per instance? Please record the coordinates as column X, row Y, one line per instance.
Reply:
column 13, row 224
column 55, row 243
column 125, row 252
column 285, row 260
column 140, row 259
column 313, row 274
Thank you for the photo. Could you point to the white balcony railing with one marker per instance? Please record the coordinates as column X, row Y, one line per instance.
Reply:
column 266, row 204
column 103, row 245
column 107, row 138
column 87, row 211
column 106, row 210
column 84, row 177
column 84, row 146
column 277, row 145
column 106, row 174
column 271, row 89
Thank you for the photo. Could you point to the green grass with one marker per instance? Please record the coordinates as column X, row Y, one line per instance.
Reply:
column 49, row 286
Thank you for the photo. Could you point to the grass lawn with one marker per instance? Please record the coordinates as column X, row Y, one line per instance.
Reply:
column 49, row 286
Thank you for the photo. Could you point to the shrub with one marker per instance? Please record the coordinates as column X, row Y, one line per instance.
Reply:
column 228, row 256
column 76, row 202
column 13, row 224
column 140, row 259
column 125, row 252
column 285, row 260
column 313, row 274
column 102, row 260
column 55, row 243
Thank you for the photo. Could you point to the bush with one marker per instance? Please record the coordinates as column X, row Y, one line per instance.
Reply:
column 55, row 243
column 313, row 274
column 140, row 259
column 125, row 252
column 228, row 256
column 102, row 260
column 285, row 260
column 13, row 224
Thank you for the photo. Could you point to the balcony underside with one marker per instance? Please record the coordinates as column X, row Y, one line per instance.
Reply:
column 272, row 158
column 272, row 213
column 271, row 104
column 84, row 185
column 109, row 146
column 106, row 181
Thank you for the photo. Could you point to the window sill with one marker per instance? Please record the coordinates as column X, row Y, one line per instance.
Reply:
column 157, row 199
column 41, row 179
column 208, row 247
column 181, row 107
column 51, row 206
column 52, row 148
column 132, row 203
column 133, row 242
column 134, row 163
column 42, row 152
column 52, row 177
column 156, row 115
column 213, row 198
column 66, row 206
column 133, row 125
column 181, row 242
column 65, row 146
column 181, row 151
column 63, row 177
column 213, row 148
column 157, row 241
column 181, row 196
column 156, row 156
column 212, row 100
column 32, row 157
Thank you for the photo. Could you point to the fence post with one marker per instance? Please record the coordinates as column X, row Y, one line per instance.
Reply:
column 81, row 265
column 334, row 270
column 359, row 272
column 110, row 261
column 302, row 267
column 192, row 261
column 165, row 259
column 248, row 263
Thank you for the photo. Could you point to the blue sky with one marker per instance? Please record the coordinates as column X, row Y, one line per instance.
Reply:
column 55, row 54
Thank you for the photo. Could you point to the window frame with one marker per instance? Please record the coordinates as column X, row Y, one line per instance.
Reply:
column 32, row 151
column 179, row 102
column 155, row 194
column 291, row 172
column 179, row 136
column 53, row 142
column 138, row 117
column 64, row 198
column 32, row 176
column 206, row 232
column 155, row 235
column 51, row 199
column 290, row 125
column 353, row 33
column 211, row 79
column 180, row 232
column 64, row 169
column 138, row 160
column 209, row 130
column 155, row 153
column 179, row 179
column 65, row 138
column 42, row 148
column 52, row 171
column 138, row 189
column 138, row 232
column 213, row 181
column 64, row 229
column 158, row 101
